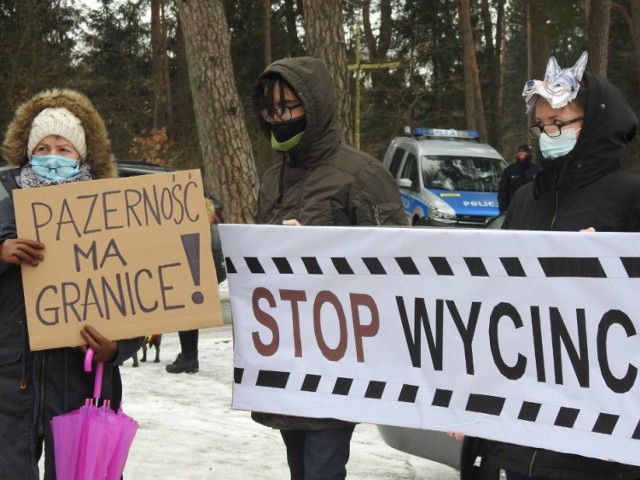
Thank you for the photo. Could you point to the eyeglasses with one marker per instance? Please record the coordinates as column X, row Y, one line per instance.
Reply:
column 282, row 113
column 551, row 129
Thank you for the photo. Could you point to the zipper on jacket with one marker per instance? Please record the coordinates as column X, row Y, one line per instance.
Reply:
column 555, row 213
column 285, row 159
column 533, row 459
column 376, row 214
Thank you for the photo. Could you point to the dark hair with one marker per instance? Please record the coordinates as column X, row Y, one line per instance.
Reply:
column 263, row 95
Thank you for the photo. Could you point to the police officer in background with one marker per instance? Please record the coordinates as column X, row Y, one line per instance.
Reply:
column 519, row 173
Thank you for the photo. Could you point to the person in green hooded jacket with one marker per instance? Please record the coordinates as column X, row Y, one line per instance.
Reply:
column 319, row 181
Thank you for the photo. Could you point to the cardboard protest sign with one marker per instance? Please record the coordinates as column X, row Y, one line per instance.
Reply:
column 524, row 337
column 130, row 256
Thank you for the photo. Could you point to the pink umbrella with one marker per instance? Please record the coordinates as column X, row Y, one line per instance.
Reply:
column 92, row 442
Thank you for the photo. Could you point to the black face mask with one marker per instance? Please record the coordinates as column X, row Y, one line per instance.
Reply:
column 526, row 161
column 283, row 131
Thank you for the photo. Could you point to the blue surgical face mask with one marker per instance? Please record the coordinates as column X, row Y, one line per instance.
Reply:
column 555, row 147
column 54, row 167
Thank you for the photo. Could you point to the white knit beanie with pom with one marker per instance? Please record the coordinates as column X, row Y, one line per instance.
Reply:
column 57, row 121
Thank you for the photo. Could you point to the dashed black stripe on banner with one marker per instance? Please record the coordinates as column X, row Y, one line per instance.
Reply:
column 605, row 423
column 476, row 267
column 572, row 267
column 342, row 266
column 552, row 267
column 273, row 379
column 283, row 266
column 513, row 267
column 566, row 417
column 311, row 383
column 374, row 266
column 312, row 265
column 407, row 266
column 228, row 263
column 529, row 411
column 441, row 266
column 254, row 265
column 488, row 404
column 632, row 266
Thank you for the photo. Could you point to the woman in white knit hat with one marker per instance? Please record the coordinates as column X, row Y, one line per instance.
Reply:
column 56, row 137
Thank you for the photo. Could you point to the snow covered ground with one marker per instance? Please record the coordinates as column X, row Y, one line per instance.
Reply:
column 189, row 431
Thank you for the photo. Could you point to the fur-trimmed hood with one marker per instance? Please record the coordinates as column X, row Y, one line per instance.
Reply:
column 99, row 156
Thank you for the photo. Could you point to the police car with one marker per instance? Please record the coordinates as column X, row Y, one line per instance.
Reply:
column 446, row 177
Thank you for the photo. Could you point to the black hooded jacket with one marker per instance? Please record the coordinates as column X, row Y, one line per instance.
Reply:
column 586, row 188
column 516, row 175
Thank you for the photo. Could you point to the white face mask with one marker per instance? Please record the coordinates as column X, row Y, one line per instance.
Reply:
column 554, row 147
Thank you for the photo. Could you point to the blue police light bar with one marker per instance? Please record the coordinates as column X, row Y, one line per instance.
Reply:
column 446, row 133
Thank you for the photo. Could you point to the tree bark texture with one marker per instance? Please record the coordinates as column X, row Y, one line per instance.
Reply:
column 160, row 65
column 473, row 93
column 266, row 8
column 538, row 44
column 229, row 167
column 379, row 48
column 323, row 23
column 598, row 36
column 494, row 74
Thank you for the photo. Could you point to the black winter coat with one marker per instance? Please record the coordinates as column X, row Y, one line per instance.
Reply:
column 516, row 175
column 35, row 386
column 586, row 188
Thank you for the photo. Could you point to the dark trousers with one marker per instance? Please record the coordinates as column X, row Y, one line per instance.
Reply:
column 318, row 454
column 518, row 476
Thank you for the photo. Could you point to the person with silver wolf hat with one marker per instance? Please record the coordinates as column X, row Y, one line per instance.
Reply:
column 583, row 124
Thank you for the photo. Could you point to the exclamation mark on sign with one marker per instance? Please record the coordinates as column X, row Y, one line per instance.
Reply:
column 191, row 245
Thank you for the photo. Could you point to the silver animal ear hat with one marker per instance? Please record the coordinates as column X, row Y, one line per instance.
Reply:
column 560, row 85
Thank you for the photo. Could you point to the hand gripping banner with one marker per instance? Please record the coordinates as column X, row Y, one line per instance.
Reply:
column 524, row 337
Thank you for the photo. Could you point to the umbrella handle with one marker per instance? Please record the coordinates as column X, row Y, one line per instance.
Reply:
column 97, row 385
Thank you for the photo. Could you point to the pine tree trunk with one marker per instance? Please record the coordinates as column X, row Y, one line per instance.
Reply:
column 160, row 107
column 598, row 36
column 324, row 29
column 473, row 93
column 538, row 44
column 229, row 167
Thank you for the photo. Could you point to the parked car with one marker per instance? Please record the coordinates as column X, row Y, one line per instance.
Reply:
column 447, row 178
column 430, row 444
column 495, row 223
column 131, row 168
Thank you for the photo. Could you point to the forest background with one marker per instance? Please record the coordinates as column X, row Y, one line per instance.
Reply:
column 173, row 78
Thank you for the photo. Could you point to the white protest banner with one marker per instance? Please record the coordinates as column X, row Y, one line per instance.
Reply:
column 525, row 337
column 130, row 256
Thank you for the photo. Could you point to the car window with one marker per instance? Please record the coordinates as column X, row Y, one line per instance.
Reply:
column 410, row 170
column 477, row 174
column 396, row 161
